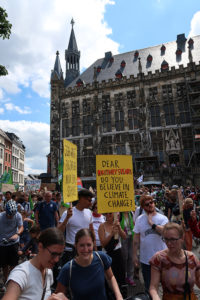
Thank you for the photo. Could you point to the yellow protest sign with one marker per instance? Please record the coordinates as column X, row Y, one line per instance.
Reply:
column 115, row 191
column 70, row 190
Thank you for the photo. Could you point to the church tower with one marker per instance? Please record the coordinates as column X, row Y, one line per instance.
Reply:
column 72, row 57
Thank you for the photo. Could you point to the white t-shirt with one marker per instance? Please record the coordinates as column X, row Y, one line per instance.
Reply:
column 80, row 219
column 137, row 213
column 29, row 279
column 96, row 223
column 150, row 240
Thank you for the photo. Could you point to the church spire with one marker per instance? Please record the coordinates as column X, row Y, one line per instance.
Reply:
column 57, row 73
column 72, row 57
column 72, row 41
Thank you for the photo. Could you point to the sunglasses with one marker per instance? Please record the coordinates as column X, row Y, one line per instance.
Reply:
column 150, row 202
column 172, row 240
column 54, row 254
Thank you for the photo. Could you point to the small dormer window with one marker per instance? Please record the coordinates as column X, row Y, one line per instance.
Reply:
column 164, row 65
column 136, row 54
column 111, row 59
column 79, row 82
column 98, row 69
column 163, row 48
column 123, row 64
column 190, row 42
column 149, row 58
column 118, row 74
column 178, row 52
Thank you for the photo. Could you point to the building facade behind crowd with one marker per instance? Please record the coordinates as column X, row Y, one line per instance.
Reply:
column 12, row 156
column 143, row 103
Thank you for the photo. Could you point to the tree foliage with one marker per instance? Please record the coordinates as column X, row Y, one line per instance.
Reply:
column 5, row 32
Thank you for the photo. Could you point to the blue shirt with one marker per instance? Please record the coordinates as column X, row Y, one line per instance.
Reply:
column 46, row 214
column 86, row 283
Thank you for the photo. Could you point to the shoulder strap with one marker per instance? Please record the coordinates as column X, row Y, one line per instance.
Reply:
column 70, row 275
column 99, row 258
column 140, row 211
column 187, row 286
column 45, row 286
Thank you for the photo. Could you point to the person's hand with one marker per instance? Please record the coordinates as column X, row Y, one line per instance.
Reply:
column 115, row 229
column 149, row 216
column 59, row 296
column 69, row 213
column 193, row 215
column 136, row 262
column 14, row 237
column 19, row 252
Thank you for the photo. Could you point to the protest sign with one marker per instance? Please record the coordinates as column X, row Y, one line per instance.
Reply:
column 115, row 191
column 32, row 185
column 7, row 187
column 48, row 187
column 70, row 190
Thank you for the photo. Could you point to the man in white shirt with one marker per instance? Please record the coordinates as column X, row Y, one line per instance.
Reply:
column 148, row 229
column 73, row 220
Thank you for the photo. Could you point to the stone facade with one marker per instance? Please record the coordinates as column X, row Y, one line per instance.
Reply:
column 144, row 103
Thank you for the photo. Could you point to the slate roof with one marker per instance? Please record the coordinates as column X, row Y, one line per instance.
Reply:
column 109, row 68
column 3, row 134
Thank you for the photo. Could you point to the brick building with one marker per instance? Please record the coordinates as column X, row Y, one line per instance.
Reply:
column 145, row 103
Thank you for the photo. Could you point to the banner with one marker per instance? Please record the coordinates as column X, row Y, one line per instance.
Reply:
column 70, row 191
column 115, row 191
column 32, row 185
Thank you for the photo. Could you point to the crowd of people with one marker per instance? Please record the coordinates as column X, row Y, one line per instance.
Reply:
column 94, row 255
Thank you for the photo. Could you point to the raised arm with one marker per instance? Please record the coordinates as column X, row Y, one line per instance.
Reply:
column 62, row 225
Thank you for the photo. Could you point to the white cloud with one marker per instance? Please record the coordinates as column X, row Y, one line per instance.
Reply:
column 35, row 137
column 10, row 106
column 1, row 110
column 195, row 24
column 42, row 27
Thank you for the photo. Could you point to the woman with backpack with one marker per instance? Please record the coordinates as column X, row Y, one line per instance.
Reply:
column 84, row 276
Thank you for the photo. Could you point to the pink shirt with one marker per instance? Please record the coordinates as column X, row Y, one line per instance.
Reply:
column 172, row 274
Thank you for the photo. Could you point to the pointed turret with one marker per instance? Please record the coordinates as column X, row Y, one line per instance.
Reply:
column 57, row 72
column 72, row 57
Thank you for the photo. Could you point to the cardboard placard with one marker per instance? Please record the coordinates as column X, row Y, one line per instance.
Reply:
column 7, row 187
column 48, row 186
column 115, row 190
column 70, row 190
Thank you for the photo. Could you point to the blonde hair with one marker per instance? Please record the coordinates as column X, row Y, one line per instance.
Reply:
column 172, row 225
column 188, row 201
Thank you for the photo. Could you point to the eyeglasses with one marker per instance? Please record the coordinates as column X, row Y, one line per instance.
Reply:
column 150, row 202
column 172, row 240
column 54, row 254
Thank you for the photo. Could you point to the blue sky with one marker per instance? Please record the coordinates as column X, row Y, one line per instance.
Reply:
column 40, row 28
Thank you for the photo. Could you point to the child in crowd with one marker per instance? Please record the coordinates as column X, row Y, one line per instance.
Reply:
column 27, row 223
column 31, row 247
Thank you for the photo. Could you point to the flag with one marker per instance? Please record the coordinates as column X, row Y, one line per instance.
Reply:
column 60, row 171
column 140, row 179
column 9, row 177
column 31, row 205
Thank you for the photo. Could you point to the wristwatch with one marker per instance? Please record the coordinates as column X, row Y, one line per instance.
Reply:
column 153, row 226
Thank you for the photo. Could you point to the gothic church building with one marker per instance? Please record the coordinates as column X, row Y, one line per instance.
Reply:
column 144, row 103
